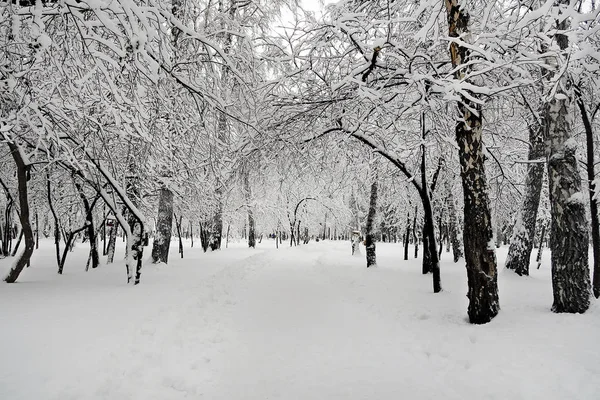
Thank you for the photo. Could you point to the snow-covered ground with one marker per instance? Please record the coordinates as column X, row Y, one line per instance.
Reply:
column 295, row 323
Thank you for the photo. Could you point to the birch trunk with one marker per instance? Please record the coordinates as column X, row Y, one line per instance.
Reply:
column 591, row 174
column 370, row 234
column 521, row 242
column 480, row 254
column 22, row 175
column 457, row 251
column 164, row 227
column 569, row 229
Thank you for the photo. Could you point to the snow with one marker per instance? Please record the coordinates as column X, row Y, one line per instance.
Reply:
column 576, row 198
column 293, row 323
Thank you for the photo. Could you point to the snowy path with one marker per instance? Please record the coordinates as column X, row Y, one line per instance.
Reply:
column 301, row 323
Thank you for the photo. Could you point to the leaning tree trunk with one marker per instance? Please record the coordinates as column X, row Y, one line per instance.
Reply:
column 480, row 254
column 370, row 234
column 22, row 175
column 521, row 243
column 569, row 228
column 164, row 227
column 89, row 223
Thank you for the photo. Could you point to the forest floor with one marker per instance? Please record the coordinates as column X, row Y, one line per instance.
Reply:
column 292, row 323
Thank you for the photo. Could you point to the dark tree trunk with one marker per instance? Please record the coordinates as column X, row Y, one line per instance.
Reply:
column 441, row 232
column 217, row 232
column 227, row 236
column 370, row 235
column 178, row 227
column 251, row 230
column 248, row 198
column 431, row 262
column 406, row 237
column 70, row 238
column 414, row 232
column 191, row 234
column 112, row 242
column 16, row 248
column 431, row 245
column 591, row 174
column 91, row 231
column 538, row 259
column 521, row 243
column 104, row 231
column 480, row 255
column 569, row 229
column 453, row 228
column 204, row 237
column 22, row 177
column 426, row 263
column 56, row 223
column 164, row 227
column 37, row 231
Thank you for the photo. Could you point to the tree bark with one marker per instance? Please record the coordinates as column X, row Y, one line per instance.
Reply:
column 538, row 259
column 91, row 231
column 22, row 177
column 454, row 233
column 480, row 255
column 591, row 175
column 414, row 232
column 521, row 243
column 56, row 222
column 164, row 227
column 178, row 227
column 112, row 241
column 569, row 229
column 406, row 238
column 370, row 239
column 248, row 196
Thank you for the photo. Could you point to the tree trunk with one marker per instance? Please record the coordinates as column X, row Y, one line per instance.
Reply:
column 248, row 197
column 414, row 232
column 429, row 231
column 91, row 231
column 204, row 237
column 454, row 233
column 591, row 174
column 521, row 243
column 22, row 176
column 70, row 238
column 217, row 223
column 480, row 255
column 56, row 223
column 370, row 239
column 192, row 234
column 431, row 262
column 16, row 248
column 406, row 238
column 37, row 231
column 569, row 228
column 538, row 259
column 164, row 227
column 112, row 241
column 178, row 227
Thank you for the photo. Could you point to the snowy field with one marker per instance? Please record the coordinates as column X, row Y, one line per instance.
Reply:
column 295, row 323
